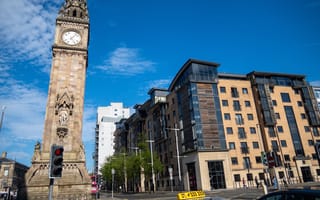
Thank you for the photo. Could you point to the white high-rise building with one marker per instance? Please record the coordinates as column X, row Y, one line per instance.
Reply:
column 106, row 119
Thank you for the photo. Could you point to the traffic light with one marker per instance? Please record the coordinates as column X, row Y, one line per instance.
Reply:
column 56, row 161
column 264, row 158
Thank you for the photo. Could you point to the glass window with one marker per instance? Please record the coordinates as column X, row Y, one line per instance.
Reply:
column 234, row 160
column 283, row 143
column 300, row 103
column 229, row 130
column 250, row 116
column 227, row 116
column 234, row 92
column 274, row 145
column 236, row 105
column 232, row 145
column 277, row 115
column 244, row 91
column 247, row 103
column 271, row 132
column 223, row 89
column 303, row 116
column 224, row 102
column 255, row 145
column 280, row 129
column 285, row 97
column 286, row 157
column 239, row 119
column 241, row 132
column 307, row 129
column 310, row 142
column 274, row 102
column 244, row 147
column 252, row 130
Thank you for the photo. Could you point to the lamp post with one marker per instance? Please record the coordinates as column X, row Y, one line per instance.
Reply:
column 171, row 178
column 151, row 155
column 178, row 153
column 112, row 172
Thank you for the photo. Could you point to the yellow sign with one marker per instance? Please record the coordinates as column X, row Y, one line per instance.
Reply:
column 191, row 195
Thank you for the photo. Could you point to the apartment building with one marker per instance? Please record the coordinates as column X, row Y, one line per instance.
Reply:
column 218, row 130
column 107, row 117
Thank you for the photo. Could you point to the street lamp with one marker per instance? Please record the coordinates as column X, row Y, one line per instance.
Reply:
column 171, row 178
column 112, row 172
column 177, row 149
column 151, row 154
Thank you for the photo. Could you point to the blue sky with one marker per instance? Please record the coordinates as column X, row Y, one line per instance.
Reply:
column 139, row 44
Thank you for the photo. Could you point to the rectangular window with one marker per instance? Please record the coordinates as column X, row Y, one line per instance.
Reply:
column 250, row 116
column 244, row 148
column 232, row 145
column 236, row 105
column 246, row 162
column 307, row 129
column 234, row 92
column 280, row 129
column 285, row 97
column 303, row 116
column 227, row 116
column 277, row 115
column 239, row 119
column 286, row 157
column 255, row 145
column 274, row 145
column 283, row 143
column 258, row 159
column 271, row 132
column 274, row 102
column 224, row 102
column 244, row 91
column 229, row 130
column 310, row 142
column 223, row 89
column 247, row 103
column 242, row 133
column 300, row 103
column 253, row 130
column 234, row 160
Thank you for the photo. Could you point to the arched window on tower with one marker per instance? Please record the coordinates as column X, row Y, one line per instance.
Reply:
column 74, row 14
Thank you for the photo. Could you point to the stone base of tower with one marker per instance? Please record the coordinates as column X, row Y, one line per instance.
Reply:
column 75, row 183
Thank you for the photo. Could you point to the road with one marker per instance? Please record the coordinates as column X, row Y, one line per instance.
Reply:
column 222, row 194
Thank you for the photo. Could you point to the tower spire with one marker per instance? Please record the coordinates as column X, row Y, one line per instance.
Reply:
column 74, row 10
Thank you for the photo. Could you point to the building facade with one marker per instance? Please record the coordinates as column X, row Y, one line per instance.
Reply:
column 219, row 130
column 316, row 90
column 107, row 118
column 11, row 176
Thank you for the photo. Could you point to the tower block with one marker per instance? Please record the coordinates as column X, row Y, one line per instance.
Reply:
column 64, row 111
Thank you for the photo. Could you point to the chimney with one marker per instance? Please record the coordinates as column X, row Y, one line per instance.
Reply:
column 4, row 154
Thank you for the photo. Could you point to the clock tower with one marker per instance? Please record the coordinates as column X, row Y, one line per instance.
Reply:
column 64, row 111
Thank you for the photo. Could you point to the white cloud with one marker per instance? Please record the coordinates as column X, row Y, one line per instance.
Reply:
column 126, row 61
column 27, row 28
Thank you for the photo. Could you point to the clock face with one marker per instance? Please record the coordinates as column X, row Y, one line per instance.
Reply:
column 71, row 37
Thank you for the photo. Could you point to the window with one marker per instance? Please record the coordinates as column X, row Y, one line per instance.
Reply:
column 274, row 145
column 236, row 105
column 286, row 157
column 283, row 143
column 229, row 130
column 247, row 163
column 280, row 129
column 300, row 103
column 255, row 145
column 303, row 116
column 244, row 91
column 242, row 133
column 310, row 142
column 258, row 159
column 223, row 89
column 271, row 132
column 224, row 102
column 234, row 160
column 234, row 92
column 244, row 147
column 247, row 103
column 274, row 102
column 227, row 116
column 285, row 97
column 307, row 129
column 250, row 116
column 277, row 115
column 232, row 145
column 252, row 130
column 239, row 119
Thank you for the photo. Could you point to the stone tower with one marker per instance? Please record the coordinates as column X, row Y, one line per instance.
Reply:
column 64, row 111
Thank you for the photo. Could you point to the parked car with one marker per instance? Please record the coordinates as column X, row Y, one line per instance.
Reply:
column 293, row 194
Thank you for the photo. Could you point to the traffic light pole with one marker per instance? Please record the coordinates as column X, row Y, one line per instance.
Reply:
column 51, row 188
